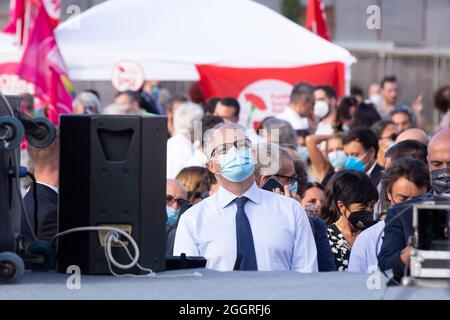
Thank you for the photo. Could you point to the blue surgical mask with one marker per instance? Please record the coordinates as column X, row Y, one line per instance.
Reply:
column 172, row 215
column 155, row 92
column 303, row 152
column 353, row 163
column 293, row 187
column 337, row 159
column 237, row 164
column 391, row 143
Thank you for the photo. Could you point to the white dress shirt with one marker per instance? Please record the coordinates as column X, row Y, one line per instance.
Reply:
column 297, row 122
column 363, row 257
column 281, row 232
column 179, row 152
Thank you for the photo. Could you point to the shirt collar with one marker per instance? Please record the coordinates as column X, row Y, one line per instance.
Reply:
column 225, row 197
column 371, row 169
column 49, row 186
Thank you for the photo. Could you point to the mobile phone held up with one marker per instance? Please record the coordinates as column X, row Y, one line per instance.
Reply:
column 271, row 184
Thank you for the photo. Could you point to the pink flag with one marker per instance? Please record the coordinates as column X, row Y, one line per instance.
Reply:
column 16, row 18
column 23, row 13
column 43, row 65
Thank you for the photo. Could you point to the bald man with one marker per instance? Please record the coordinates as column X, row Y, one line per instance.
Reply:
column 439, row 161
column 413, row 134
column 176, row 197
column 396, row 250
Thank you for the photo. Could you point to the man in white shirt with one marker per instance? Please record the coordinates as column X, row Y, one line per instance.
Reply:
column 180, row 148
column 243, row 227
column 300, row 112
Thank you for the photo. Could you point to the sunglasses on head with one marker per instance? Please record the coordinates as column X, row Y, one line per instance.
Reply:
column 171, row 199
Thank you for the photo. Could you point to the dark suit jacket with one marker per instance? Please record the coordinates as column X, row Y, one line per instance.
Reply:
column 396, row 235
column 47, row 212
column 325, row 257
column 171, row 231
column 376, row 174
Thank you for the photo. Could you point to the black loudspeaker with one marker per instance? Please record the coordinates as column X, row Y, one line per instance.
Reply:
column 112, row 173
column 10, row 213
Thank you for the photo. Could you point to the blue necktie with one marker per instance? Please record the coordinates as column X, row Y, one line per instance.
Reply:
column 244, row 237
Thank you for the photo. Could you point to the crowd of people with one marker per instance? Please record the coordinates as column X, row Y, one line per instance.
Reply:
column 313, row 188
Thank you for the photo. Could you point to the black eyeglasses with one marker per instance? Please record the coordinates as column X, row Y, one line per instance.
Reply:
column 290, row 179
column 238, row 144
column 171, row 199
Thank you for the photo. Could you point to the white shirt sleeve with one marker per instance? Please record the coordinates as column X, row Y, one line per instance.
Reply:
column 304, row 258
column 358, row 260
column 184, row 242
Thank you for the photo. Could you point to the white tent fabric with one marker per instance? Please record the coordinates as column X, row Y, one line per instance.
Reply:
column 169, row 37
column 9, row 52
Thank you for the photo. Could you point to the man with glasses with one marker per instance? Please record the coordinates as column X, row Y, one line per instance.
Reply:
column 176, row 197
column 242, row 227
column 176, row 203
column 276, row 163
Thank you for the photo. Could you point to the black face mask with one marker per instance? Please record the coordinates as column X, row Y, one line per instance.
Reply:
column 440, row 180
column 361, row 219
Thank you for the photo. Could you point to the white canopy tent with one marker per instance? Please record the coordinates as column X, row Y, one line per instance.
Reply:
column 169, row 37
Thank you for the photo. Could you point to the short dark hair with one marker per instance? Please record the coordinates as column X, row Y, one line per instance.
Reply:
column 209, row 121
column 388, row 79
column 176, row 98
column 350, row 187
column 407, row 148
column 210, row 104
column 232, row 103
column 363, row 135
column 329, row 91
column 94, row 92
column 133, row 95
column 442, row 99
column 379, row 127
column 366, row 115
column 408, row 112
column 311, row 185
column 301, row 90
column 356, row 91
column 343, row 111
column 415, row 171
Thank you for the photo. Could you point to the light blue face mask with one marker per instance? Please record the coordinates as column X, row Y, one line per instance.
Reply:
column 391, row 143
column 293, row 187
column 172, row 215
column 337, row 159
column 303, row 152
column 237, row 164
column 345, row 127
column 353, row 163
column 155, row 92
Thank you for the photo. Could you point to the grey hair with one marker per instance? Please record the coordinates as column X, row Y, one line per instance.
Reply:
column 185, row 117
column 268, row 158
column 88, row 99
column 287, row 137
column 209, row 134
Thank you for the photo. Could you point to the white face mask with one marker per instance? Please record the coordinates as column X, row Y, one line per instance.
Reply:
column 321, row 109
column 375, row 99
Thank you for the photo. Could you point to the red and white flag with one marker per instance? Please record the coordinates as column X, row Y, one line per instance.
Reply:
column 43, row 65
column 264, row 92
column 316, row 18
